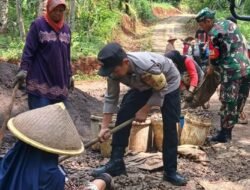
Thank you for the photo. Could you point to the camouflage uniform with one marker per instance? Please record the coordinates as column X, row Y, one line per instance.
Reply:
column 234, row 67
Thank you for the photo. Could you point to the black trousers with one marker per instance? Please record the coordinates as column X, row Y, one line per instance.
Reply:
column 133, row 101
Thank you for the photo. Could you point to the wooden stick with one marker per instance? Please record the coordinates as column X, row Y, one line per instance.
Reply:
column 7, row 114
column 96, row 140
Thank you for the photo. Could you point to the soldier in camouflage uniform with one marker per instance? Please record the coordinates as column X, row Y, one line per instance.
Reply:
column 228, row 53
column 242, row 117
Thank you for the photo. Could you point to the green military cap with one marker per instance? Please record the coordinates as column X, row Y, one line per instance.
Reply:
column 204, row 14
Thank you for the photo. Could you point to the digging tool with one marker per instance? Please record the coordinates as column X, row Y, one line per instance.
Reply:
column 7, row 114
column 205, row 90
column 96, row 140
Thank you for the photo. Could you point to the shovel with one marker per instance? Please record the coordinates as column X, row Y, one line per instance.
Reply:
column 7, row 114
column 96, row 140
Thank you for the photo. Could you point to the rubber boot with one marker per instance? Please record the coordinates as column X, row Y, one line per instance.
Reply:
column 223, row 136
column 115, row 166
column 229, row 133
column 175, row 179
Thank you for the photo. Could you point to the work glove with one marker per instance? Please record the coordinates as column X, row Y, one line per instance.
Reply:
column 188, row 96
column 20, row 77
column 71, row 84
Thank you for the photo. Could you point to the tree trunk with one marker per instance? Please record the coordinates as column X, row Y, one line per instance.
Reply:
column 72, row 14
column 127, row 7
column 20, row 19
column 3, row 15
column 42, row 7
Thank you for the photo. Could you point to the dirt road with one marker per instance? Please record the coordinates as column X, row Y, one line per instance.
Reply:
column 172, row 26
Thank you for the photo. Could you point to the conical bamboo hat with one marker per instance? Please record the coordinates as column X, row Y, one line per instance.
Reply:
column 49, row 128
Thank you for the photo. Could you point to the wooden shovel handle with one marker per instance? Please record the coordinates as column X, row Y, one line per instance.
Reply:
column 7, row 114
column 96, row 140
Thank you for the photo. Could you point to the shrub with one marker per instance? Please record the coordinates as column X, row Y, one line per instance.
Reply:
column 144, row 10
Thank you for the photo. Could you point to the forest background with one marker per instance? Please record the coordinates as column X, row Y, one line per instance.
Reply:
column 94, row 22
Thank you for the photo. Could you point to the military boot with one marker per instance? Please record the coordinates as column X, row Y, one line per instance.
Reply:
column 115, row 166
column 223, row 136
column 229, row 133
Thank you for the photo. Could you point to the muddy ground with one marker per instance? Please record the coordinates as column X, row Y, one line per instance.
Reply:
column 228, row 162
column 80, row 104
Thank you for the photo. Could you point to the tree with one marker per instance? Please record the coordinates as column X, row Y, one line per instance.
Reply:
column 20, row 19
column 3, row 15
column 125, row 3
column 72, row 14
column 42, row 7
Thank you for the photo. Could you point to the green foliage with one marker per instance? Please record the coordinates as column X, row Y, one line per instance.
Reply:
column 196, row 5
column 245, row 29
column 10, row 48
column 247, row 7
column 79, row 76
column 93, row 28
column 94, row 24
column 172, row 2
column 144, row 10
column 95, row 21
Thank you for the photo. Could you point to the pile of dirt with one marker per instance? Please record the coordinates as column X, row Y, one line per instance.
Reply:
column 128, row 25
column 134, row 41
column 7, row 75
column 199, row 114
column 80, row 104
column 86, row 65
column 161, row 12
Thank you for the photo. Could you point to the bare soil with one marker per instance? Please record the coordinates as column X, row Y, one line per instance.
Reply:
column 80, row 104
column 227, row 162
column 161, row 12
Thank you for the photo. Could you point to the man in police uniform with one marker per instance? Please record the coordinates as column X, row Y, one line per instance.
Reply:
column 228, row 52
column 154, row 81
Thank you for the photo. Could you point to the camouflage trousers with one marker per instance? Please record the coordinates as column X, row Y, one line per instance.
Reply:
column 233, row 96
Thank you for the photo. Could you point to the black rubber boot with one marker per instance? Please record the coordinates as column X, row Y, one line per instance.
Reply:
column 175, row 179
column 115, row 166
column 229, row 133
column 223, row 136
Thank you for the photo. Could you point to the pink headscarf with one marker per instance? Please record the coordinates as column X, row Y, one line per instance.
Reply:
column 51, row 5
